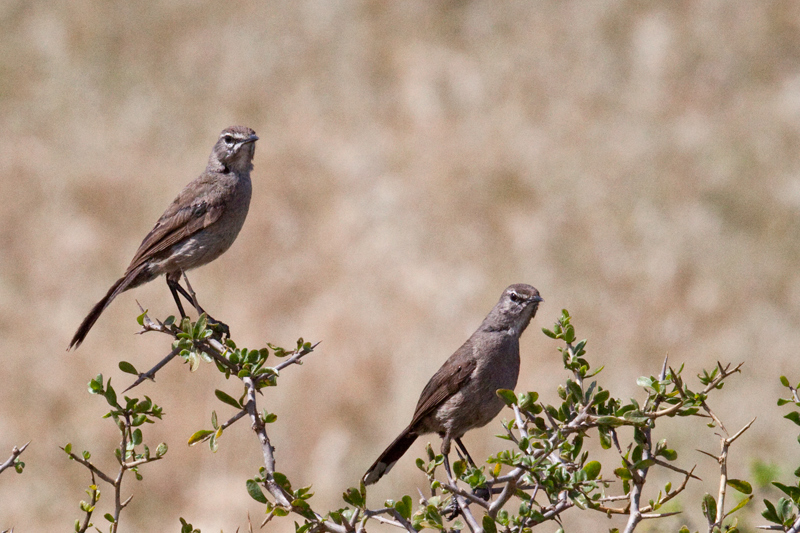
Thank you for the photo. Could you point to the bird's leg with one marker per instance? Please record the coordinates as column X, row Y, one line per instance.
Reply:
column 191, row 297
column 452, row 509
column 462, row 448
column 175, row 288
column 483, row 491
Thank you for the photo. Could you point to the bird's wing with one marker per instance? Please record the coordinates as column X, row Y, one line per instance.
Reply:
column 448, row 380
column 184, row 217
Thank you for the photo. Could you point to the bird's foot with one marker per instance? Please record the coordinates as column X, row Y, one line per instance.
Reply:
column 482, row 492
column 220, row 329
column 452, row 511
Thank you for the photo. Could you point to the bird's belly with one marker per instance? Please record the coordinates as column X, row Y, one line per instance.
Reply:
column 197, row 250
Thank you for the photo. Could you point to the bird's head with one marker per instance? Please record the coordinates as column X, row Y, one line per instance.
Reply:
column 516, row 308
column 234, row 149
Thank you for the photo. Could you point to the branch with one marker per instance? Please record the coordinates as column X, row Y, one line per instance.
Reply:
column 456, row 490
column 226, row 425
column 463, row 506
column 295, row 358
column 266, row 448
column 402, row 521
column 151, row 374
column 723, row 474
column 95, row 495
column 15, row 452
column 90, row 466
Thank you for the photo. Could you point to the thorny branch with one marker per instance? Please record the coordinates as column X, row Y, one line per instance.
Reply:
column 15, row 453
column 124, row 452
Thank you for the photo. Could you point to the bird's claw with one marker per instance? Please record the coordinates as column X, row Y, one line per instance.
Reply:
column 220, row 329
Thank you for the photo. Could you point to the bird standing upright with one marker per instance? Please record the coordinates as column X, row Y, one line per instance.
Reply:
column 461, row 395
column 197, row 227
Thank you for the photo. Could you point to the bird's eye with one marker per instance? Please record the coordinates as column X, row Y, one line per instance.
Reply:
column 228, row 139
column 515, row 297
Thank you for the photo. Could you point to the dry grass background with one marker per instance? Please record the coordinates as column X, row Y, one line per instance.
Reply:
column 637, row 162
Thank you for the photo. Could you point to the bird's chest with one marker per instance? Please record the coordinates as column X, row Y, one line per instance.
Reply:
column 477, row 403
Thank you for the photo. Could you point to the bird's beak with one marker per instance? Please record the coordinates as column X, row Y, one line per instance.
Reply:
column 537, row 299
column 251, row 139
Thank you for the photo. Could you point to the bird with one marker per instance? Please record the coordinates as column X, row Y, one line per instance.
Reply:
column 199, row 225
column 461, row 395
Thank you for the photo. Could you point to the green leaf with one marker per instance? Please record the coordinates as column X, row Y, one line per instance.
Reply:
column 111, row 396
column 601, row 397
column 622, row 473
column 569, row 334
column 489, row 525
column 552, row 336
column 742, row 486
column 792, row 491
column 199, row 436
column 527, row 399
column 254, row 490
column 404, row 507
column 794, row 416
column 96, row 385
column 784, row 381
column 785, row 510
column 605, row 438
column 68, row 448
column 739, row 505
column 128, row 368
column 770, row 513
column 109, row 517
column 709, row 507
column 161, row 450
column 353, row 497
column 507, row 396
column 459, row 467
column 644, row 463
column 668, row 454
column 592, row 469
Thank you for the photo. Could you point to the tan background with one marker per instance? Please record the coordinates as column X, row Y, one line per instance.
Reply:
column 637, row 162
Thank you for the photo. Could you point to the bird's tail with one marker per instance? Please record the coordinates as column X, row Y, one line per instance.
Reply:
column 121, row 285
column 390, row 455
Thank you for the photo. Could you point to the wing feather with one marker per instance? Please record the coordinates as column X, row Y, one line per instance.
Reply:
column 448, row 380
column 180, row 220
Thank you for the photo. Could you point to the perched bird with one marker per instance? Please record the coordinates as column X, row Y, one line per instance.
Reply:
column 461, row 395
column 197, row 227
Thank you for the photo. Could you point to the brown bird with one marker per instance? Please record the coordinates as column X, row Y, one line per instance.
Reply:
column 197, row 227
column 461, row 395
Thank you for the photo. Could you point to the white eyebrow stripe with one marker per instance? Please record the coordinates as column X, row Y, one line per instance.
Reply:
column 237, row 137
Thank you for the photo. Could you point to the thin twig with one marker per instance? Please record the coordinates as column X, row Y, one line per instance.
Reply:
column 456, row 490
column 15, row 452
column 226, row 425
column 91, row 467
column 151, row 374
column 405, row 523
column 95, row 496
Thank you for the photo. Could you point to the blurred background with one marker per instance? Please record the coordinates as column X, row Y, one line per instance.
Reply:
column 636, row 162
